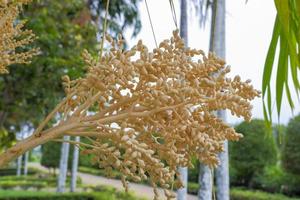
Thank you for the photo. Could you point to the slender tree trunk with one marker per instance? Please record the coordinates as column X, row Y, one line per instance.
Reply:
column 182, row 192
column 26, row 163
column 63, row 166
column 75, row 165
column 20, row 136
column 205, row 182
column 19, row 165
column 222, row 175
column 217, row 45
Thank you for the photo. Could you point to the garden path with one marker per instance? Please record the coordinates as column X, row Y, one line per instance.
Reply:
column 88, row 179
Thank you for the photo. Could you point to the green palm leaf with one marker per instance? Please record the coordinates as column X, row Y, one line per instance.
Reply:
column 286, row 32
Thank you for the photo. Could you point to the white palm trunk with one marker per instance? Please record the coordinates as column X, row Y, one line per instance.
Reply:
column 182, row 192
column 63, row 166
column 19, row 165
column 217, row 45
column 222, row 175
column 20, row 136
column 75, row 165
column 205, row 182
column 26, row 163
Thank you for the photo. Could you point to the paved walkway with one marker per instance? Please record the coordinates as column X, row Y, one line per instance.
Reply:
column 139, row 189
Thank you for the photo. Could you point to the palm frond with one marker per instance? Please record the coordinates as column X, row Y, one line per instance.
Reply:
column 286, row 37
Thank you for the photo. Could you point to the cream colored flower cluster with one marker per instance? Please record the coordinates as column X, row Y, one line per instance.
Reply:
column 12, row 35
column 146, row 113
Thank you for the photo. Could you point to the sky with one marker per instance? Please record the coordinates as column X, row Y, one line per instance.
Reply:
column 248, row 33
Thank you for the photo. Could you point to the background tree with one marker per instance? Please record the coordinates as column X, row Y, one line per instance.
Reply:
column 50, row 155
column 122, row 14
column 57, row 41
column 254, row 152
column 291, row 148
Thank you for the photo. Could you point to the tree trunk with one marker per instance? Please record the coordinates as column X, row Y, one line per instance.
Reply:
column 75, row 165
column 26, row 163
column 19, row 136
column 19, row 165
column 217, row 45
column 222, row 175
column 182, row 192
column 205, row 182
column 63, row 166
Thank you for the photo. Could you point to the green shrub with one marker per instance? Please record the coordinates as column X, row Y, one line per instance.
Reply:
column 100, row 172
column 23, row 184
column 239, row 194
column 251, row 154
column 271, row 180
column 85, row 160
column 105, row 194
column 51, row 152
column 193, row 188
column 194, row 172
column 291, row 185
column 10, row 182
column 274, row 179
column 13, row 171
column 243, row 194
column 291, row 147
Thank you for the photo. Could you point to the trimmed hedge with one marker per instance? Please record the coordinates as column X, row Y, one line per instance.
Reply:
column 252, row 153
column 100, row 172
column 105, row 194
column 239, row 194
column 13, row 171
column 26, row 182
column 243, row 194
column 291, row 147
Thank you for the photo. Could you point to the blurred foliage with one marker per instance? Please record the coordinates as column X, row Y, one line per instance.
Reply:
column 245, row 194
column 86, row 160
column 274, row 179
column 64, row 28
column 242, row 194
column 98, row 193
column 271, row 180
column 51, row 152
column 291, row 147
column 193, row 173
column 122, row 14
column 251, row 154
column 6, row 139
column 12, row 171
column 279, row 131
column 37, row 181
